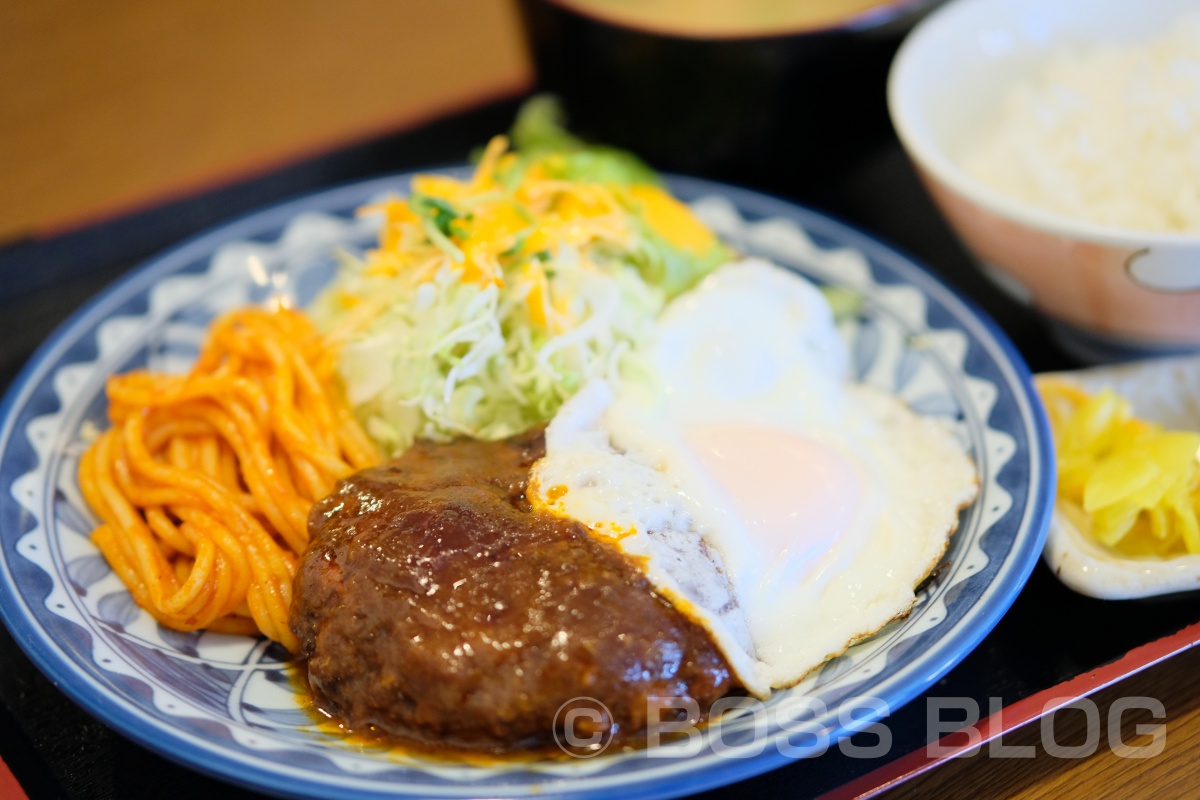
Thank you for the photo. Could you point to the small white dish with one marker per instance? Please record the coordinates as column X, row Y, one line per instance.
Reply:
column 1165, row 391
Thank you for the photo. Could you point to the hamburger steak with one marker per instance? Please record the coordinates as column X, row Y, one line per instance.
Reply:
column 436, row 606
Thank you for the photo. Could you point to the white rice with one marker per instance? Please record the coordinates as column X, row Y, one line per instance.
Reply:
column 1108, row 134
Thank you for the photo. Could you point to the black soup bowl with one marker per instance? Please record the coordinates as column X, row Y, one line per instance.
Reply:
column 779, row 94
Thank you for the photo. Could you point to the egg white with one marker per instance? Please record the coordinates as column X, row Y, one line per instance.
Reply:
column 783, row 508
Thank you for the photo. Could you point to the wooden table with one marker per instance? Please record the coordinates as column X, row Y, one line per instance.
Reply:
column 109, row 108
column 1171, row 775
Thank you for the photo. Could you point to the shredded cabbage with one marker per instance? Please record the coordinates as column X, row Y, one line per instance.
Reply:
column 489, row 301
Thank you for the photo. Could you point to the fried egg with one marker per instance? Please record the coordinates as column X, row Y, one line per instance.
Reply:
column 784, row 508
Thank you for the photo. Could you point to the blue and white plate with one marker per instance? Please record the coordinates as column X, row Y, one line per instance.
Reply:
column 230, row 706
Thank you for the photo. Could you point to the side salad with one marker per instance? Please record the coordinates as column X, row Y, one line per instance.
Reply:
column 489, row 300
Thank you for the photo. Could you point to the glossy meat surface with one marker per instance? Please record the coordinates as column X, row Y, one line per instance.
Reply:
column 435, row 606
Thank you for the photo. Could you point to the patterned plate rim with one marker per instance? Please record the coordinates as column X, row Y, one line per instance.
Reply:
column 1028, row 537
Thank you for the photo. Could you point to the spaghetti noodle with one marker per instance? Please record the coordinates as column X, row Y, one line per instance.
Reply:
column 204, row 481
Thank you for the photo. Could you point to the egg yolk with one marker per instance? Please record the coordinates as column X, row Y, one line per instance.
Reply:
column 796, row 495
